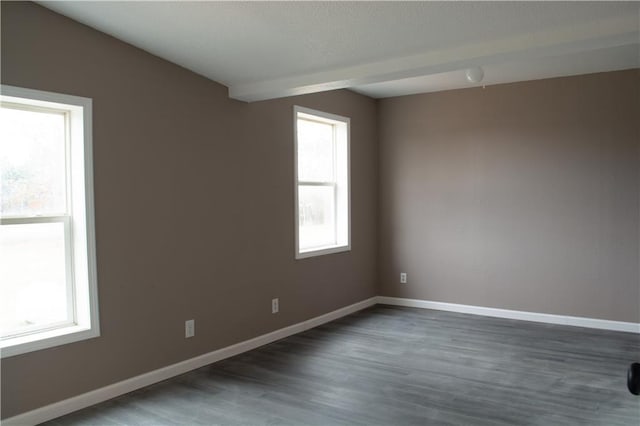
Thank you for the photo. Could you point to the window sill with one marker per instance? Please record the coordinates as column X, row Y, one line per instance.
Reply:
column 46, row 339
column 322, row 251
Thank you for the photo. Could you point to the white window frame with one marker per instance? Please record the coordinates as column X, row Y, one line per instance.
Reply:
column 344, row 201
column 79, row 224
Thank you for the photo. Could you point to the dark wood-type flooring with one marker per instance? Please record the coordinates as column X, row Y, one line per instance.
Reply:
column 400, row 366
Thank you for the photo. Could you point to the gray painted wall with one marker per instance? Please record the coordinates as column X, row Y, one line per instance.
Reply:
column 194, row 209
column 519, row 196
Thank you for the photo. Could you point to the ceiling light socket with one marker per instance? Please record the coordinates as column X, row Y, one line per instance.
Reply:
column 475, row 74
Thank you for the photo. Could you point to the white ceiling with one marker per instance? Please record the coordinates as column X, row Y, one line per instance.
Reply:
column 264, row 50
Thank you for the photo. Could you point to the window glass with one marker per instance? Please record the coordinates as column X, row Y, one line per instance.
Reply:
column 316, row 207
column 322, row 186
column 32, row 162
column 33, row 289
column 315, row 151
column 48, row 283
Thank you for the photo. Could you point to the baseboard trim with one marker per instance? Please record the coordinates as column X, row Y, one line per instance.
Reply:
column 630, row 327
column 88, row 399
column 75, row 403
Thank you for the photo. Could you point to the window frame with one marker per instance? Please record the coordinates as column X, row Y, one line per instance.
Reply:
column 335, row 121
column 78, row 222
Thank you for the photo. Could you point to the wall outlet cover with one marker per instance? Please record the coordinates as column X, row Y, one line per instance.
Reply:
column 189, row 328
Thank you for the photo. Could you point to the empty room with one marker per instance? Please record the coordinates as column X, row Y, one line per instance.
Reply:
column 320, row 213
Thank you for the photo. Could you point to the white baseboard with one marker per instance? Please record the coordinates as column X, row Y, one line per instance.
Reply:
column 75, row 403
column 630, row 327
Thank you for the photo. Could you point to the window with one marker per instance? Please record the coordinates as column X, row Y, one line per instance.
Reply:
column 48, row 289
column 322, row 183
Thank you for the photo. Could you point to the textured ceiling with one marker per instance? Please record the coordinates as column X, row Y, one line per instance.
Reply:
column 271, row 49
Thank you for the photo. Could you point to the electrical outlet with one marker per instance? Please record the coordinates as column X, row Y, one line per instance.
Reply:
column 189, row 328
column 275, row 306
column 403, row 277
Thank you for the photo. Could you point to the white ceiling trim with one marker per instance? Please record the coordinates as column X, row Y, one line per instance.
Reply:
column 569, row 40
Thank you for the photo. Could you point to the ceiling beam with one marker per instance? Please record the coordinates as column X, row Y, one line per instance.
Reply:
column 579, row 38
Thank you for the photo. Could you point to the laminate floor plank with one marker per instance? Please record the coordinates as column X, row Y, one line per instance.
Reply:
column 400, row 366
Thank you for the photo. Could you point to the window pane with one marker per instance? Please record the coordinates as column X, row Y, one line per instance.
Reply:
column 33, row 289
column 316, row 209
column 32, row 162
column 315, row 151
